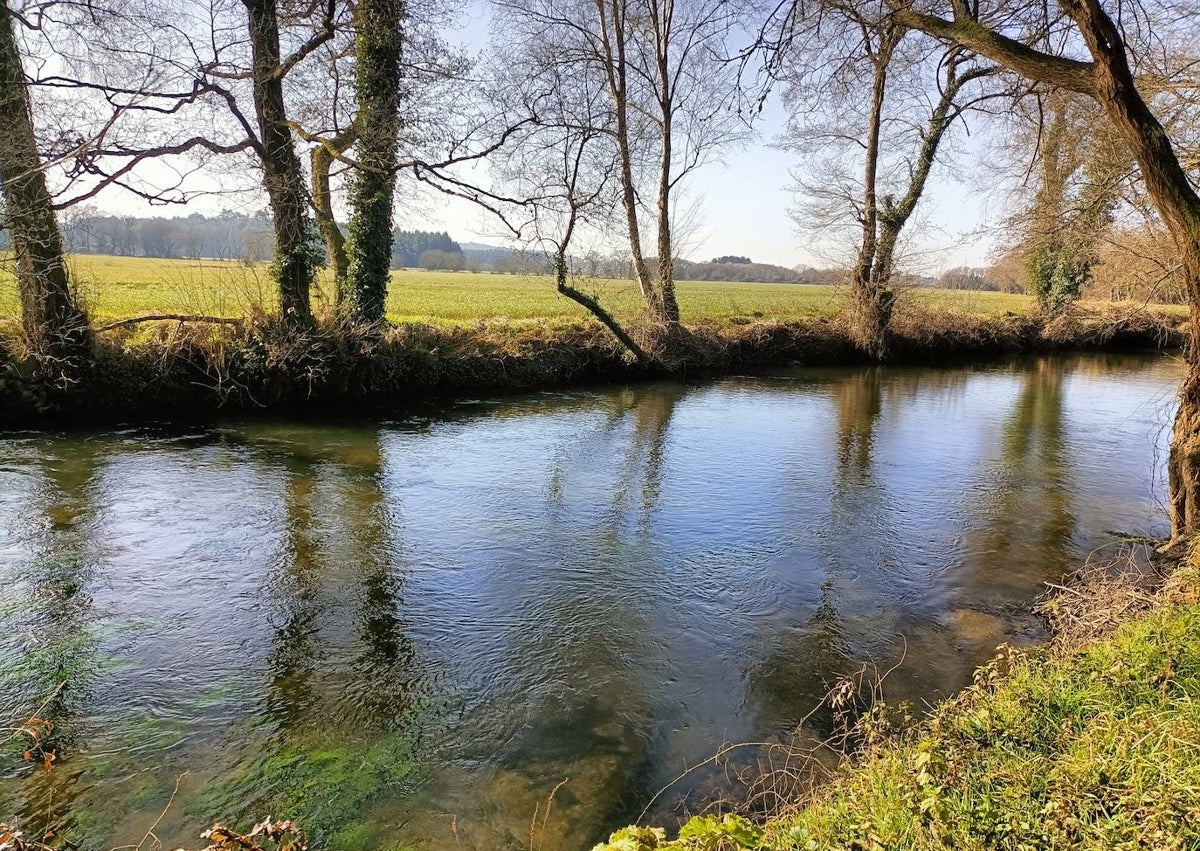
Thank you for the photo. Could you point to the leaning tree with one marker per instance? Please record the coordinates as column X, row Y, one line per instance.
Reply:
column 561, row 165
column 661, row 65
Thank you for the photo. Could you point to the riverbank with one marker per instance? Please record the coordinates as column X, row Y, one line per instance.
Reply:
column 173, row 369
column 1088, row 742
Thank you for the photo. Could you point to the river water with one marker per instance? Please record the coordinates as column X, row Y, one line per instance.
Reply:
column 421, row 632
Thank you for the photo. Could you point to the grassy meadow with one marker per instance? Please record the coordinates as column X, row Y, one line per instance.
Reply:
column 122, row 287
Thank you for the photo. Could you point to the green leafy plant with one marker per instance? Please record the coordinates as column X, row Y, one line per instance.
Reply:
column 728, row 832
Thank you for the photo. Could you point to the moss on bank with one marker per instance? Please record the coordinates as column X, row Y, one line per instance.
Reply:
column 170, row 369
column 1096, row 747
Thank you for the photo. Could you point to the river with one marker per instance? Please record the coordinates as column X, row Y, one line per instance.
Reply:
column 422, row 631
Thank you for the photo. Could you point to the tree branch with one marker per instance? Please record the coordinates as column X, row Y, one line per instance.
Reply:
column 966, row 31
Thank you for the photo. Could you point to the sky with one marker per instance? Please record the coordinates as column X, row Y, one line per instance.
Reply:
column 743, row 203
column 744, row 200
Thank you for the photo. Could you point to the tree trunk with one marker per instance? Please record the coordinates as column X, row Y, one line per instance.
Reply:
column 1183, row 465
column 612, row 37
column 321, row 162
column 870, row 305
column 378, row 46
column 666, row 248
column 296, row 251
column 666, row 242
column 863, row 310
column 629, row 202
column 54, row 325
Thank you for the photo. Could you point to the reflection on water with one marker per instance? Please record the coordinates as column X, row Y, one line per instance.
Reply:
column 1028, row 513
column 49, row 635
column 417, row 632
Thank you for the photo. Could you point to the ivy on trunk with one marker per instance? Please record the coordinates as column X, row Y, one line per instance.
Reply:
column 378, row 47
column 297, row 247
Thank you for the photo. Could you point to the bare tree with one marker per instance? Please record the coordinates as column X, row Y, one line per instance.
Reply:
column 561, row 167
column 872, row 296
column 828, row 54
column 660, row 63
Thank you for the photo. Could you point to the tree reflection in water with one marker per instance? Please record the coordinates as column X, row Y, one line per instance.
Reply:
column 53, row 639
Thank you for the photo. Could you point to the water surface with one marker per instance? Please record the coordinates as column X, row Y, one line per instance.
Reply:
column 417, row 632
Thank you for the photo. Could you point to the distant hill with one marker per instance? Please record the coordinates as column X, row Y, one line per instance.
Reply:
column 488, row 255
column 736, row 269
column 483, row 249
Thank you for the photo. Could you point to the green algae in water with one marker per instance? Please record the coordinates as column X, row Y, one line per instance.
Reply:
column 327, row 788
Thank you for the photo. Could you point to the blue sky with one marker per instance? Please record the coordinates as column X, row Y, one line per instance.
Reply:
column 743, row 202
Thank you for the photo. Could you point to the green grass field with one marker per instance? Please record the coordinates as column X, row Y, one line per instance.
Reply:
column 122, row 287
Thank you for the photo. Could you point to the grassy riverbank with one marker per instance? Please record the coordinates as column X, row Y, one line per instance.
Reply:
column 172, row 369
column 1092, row 745
column 459, row 333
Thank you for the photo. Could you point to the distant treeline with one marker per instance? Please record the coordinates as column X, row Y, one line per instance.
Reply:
column 741, row 269
column 227, row 236
column 437, row 251
column 413, row 248
column 249, row 237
